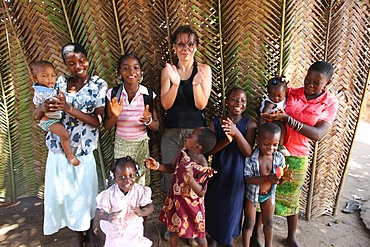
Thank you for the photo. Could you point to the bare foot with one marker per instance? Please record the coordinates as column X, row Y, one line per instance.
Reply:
column 293, row 242
column 73, row 160
column 79, row 240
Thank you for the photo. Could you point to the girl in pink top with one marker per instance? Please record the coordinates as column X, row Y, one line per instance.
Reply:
column 121, row 207
column 309, row 112
column 127, row 115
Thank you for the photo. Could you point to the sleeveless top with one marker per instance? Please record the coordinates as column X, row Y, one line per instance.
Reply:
column 184, row 113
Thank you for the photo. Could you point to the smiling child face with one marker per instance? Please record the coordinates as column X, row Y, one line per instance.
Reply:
column 125, row 176
column 268, row 143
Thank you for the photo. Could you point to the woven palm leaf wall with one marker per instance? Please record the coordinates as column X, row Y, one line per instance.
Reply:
column 245, row 42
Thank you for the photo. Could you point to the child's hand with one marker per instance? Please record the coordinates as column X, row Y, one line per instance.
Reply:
column 276, row 110
column 58, row 103
column 116, row 107
column 275, row 116
column 111, row 216
column 273, row 179
column 137, row 211
column 229, row 128
column 173, row 74
column 151, row 163
column 189, row 173
column 288, row 174
column 145, row 119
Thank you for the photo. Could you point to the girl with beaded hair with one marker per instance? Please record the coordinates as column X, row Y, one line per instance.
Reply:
column 121, row 208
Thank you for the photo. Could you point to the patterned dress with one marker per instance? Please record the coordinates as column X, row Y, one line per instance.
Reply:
column 70, row 191
column 183, row 211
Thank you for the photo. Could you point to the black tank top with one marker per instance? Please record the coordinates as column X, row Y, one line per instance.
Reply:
column 183, row 113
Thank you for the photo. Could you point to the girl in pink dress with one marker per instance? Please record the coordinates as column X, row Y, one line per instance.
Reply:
column 121, row 207
column 183, row 211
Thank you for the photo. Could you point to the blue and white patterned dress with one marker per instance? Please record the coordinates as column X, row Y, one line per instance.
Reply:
column 70, row 191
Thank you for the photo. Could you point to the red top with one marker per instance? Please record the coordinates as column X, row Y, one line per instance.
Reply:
column 322, row 108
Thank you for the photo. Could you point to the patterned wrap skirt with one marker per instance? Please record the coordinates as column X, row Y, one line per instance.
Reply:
column 288, row 194
column 138, row 149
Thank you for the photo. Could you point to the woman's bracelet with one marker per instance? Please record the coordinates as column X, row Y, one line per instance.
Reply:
column 157, row 166
column 295, row 124
column 151, row 120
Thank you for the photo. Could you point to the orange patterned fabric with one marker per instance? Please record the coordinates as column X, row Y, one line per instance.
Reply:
column 183, row 211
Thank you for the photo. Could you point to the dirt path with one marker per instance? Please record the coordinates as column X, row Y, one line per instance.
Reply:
column 21, row 223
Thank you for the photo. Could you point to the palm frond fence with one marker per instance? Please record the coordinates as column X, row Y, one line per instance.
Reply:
column 244, row 42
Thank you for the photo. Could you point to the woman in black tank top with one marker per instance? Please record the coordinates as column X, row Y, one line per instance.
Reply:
column 185, row 90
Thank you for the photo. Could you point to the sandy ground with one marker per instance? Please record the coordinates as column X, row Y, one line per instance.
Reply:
column 21, row 223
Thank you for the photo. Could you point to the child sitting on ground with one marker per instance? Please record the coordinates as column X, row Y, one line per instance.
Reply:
column 121, row 207
column 275, row 101
column 45, row 77
column 183, row 211
column 261, row 178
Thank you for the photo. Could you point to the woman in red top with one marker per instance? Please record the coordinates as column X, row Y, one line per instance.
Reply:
column 309, row 112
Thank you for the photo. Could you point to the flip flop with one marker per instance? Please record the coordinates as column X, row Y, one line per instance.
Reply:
column 351, row 206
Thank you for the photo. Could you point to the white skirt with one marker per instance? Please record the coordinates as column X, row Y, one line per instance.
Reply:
column 70, row 193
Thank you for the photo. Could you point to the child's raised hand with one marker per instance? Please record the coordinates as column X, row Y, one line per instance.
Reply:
column 151, row 163
column 288, row 174
column 116, row 107
column 188, row 174
column 173, row 74
column 111, row 216
column 229, row 128
column 146, row 117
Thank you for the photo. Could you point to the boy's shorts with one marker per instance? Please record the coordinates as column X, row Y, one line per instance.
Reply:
column 45, row 124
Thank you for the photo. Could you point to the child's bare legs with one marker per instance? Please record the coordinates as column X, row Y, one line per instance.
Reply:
column 256, row 231
column 94, row 239
column 95, row 235
column 282, row 148
column 267, row 209
column 59, row 129
column 249, row 221
column 283, row 130
column 174, row 239
column 202, row 242
column 292, row 227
